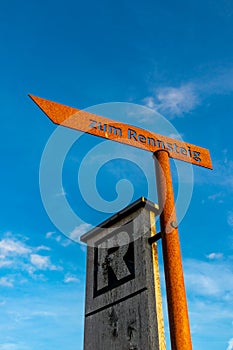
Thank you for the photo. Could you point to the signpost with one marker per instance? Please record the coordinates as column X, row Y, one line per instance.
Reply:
column 123, row 133
column 162, row 148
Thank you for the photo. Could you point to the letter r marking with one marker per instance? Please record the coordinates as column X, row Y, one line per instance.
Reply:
column 113, row 260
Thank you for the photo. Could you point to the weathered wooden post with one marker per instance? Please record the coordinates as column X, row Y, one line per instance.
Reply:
column 123, row 298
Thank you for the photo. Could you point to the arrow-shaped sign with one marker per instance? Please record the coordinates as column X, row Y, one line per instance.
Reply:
column 123, row 133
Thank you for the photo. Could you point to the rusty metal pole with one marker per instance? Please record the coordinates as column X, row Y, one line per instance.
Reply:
column 176, row 296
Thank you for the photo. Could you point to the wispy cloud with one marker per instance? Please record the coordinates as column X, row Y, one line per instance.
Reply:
column 5, row 263
column 176, row 136
column 209, row 286
column 174, row 101
column 42, row 262
column 79, row 231
column 18, row 256
column 44, row 310
column 10, row 246
column 50, row 234
column 230, row 344
column 214, row 256
column 42, row 247
column 69, row 278
column 212, row 279
column 61, row 239
column 6, row 282
column 218, row 196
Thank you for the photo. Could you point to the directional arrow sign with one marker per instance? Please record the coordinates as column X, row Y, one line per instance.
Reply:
column 123, row 133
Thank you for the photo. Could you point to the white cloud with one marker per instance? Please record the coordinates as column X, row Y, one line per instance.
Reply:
column 6, row 282
column 42, row 247
column 16, row 255
column 50, row 234
column 58, row 238
column 42, row 262
column 230, row 344
column 176, row 136
column 214, row 256
column 230, row 218
column 210, row 298
column 71, row 279
column 177, row 100
column 5, row 263
column 210, row 279
column 11, row 246
column 79, row 231
column 216, row 196
column 43, row 309
column 29, row 262
column 62, row 240
column 174, row 101
column 209, row 287
column 150, row 102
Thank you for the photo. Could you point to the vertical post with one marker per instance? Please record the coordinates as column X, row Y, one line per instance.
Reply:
column 123, row 297
column 176, row 296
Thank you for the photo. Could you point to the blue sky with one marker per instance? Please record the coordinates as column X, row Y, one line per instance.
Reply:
column 174, row 57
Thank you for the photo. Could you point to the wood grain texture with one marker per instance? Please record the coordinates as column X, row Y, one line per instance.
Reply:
column 126, row 317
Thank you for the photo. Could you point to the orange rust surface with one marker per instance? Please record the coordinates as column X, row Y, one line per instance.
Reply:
column 123, row 133
column 175, row 287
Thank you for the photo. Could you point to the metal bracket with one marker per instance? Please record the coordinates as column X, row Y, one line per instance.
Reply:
column 154, row 238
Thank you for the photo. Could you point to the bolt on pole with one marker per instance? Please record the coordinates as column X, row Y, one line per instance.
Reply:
column 175, row 287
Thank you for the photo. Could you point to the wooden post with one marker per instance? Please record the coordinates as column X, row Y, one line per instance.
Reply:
column 176, row 296
column 123, row 298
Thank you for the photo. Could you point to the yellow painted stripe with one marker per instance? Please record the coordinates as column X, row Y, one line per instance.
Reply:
column 158, row 295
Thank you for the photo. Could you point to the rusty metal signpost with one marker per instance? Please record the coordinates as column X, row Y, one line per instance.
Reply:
column 162, row 148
